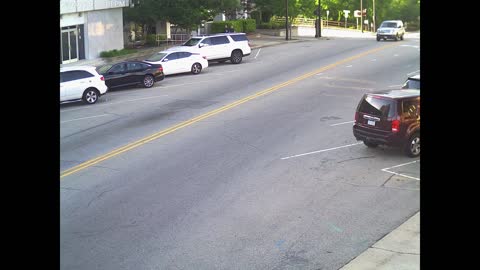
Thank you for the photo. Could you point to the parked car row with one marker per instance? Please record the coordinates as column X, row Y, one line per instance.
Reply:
column 87, row 84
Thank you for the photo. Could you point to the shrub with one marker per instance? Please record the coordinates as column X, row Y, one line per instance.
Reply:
column 152, row 39
column 116, row 52
column 249, row 25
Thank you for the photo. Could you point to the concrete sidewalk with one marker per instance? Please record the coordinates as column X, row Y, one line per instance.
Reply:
column 398, row 250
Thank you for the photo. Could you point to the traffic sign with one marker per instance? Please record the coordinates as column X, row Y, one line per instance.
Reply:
column 357, row 14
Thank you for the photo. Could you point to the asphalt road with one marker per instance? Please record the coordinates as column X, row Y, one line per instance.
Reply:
column 273, row 182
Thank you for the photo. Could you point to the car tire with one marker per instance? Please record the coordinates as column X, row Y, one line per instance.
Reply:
column 236, row 57
column 148, row 81
column 412, row 147
column 90, row 96
column 196, row 68
column 370, row 144
column 397, row 38
column 401, row 37
column 378, row 38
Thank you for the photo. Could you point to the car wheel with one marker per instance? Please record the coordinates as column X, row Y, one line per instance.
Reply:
column 370, row 144
column 397, row 38
column 196, row 68
column 236, row 57
column 378, row 38
column 412, row 147
column 90, row 96
column 148, row 81
column 401, row 37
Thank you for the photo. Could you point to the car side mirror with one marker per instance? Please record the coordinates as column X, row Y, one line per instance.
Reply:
column 202, row 45
column 165, row 60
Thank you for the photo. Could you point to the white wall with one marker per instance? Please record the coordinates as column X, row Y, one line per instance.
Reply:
column 103, row 31
column 72, row 19
column 71, row 6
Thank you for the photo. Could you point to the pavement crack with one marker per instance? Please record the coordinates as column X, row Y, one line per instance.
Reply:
column 242, row 142
column 355, row 159
column 67, row 188
column 388, row 179
column 98, row 196
column 409, row 253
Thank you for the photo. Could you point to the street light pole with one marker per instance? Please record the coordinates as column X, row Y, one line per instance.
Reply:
column 286, row 19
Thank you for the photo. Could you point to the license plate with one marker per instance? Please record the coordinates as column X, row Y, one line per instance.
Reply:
column 372, row 123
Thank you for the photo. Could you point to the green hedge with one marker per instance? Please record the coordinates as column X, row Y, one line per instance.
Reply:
column 152, row 39
column 249, row 25
column 115, row 52
column 271, row 25
column 239, row 26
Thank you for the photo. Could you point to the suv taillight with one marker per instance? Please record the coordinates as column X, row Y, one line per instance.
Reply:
column 160, row 69
column 102, row 78
column 395, row 125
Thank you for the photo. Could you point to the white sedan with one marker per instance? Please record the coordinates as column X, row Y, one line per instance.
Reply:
column 174, row 62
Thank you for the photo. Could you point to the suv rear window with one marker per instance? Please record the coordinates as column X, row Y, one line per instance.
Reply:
column 239, row 37
column 377, row 106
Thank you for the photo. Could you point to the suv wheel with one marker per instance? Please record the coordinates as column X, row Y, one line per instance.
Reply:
column 90, row 96
column 236, row 57
column 378, row 38
column 397, row 38
column 412, row 147
column 401, row 37
column 196, row 68
column 370, row 144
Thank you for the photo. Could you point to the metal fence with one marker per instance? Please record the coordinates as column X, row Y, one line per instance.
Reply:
column 175, row 39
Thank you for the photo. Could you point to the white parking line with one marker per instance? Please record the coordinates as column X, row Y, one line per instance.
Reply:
column 349, row 66
column 257, row 53
column 342, row 123
column 373, row 60
column 83, row 118
column 320, row 151
column 413, row 72
column 400, row 174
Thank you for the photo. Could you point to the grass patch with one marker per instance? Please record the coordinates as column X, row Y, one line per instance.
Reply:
column 115, row 52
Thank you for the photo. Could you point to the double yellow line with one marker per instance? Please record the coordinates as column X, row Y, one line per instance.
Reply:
column 189, row 122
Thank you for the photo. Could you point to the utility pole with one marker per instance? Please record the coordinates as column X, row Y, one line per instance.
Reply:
column 317, row 22
column 286, row 19
column 374, row 26
column 319, row 19
column 361, row 14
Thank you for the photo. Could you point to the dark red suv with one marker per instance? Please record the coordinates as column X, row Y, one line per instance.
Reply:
column 390, row 117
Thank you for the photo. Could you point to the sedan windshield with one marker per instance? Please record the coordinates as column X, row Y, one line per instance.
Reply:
column 192, row 42
column 156, row 57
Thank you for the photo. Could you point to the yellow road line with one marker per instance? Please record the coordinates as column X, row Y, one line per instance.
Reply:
column 189, row 122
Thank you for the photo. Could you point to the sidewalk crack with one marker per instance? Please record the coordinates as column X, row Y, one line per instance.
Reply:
column 397, row 251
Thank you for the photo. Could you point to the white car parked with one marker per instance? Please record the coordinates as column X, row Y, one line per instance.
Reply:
column 174, row 62
column 81, row 83
column 218, row 47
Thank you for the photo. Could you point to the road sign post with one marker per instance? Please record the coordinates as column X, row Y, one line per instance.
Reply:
column 345, row 14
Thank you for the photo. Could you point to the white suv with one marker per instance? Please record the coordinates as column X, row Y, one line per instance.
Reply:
column 81, row 83
column 219, row 47
column 391, row 29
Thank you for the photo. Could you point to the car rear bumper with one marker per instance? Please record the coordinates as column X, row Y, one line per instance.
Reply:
column 159, row 77
column 378, row 137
